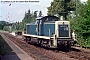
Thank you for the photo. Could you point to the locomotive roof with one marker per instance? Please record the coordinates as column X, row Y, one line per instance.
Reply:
column 44, row 17
column 39, row 18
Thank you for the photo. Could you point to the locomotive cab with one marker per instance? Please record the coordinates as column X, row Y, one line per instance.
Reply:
column 62, row 32
column 62, row 29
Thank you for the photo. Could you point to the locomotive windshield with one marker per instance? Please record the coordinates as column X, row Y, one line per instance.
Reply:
column 63, row 31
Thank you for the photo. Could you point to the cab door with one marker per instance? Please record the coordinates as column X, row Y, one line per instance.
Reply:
column 41, row 26
column 38, row 22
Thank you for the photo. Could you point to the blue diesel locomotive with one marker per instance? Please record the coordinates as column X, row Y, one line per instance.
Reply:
column 50, row 32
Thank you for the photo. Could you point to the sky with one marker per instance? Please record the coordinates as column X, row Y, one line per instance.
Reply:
column 16, row 11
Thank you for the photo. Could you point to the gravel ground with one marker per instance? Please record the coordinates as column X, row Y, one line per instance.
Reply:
column 60, row 55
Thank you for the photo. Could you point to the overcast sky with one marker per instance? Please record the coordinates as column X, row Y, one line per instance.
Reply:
column 16, row 11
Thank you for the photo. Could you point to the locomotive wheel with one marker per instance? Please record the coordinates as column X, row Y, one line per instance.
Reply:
column 28, row 39
column 39, row 41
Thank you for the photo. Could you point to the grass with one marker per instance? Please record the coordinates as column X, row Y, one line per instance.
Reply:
column 3, row 31
column 87, row 45
column 4, row 47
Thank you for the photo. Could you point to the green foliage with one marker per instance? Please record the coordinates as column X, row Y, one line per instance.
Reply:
column 4, row 28
column 81, row 23
column 40, row 13
column 2, row 24
column 29, row 17
column 61, row 7
column 35, row 14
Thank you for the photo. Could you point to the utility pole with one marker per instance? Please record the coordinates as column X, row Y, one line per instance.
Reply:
column 76, row 8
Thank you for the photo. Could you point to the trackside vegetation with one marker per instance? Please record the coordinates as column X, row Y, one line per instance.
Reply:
column 81, row 23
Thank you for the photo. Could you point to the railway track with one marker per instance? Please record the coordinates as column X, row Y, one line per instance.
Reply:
column 45, row 54
column 79, row 54
column 31, row 50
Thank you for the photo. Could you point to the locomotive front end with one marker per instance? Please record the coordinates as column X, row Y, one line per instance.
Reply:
column 62, row 32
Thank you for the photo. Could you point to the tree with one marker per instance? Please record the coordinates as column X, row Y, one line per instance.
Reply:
column 29, row 11
column 81, row 23
column 4, row 28
column 35, row 14
column 2, row 24
column 61, row 7
column 29, row 17
column 40, row 13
